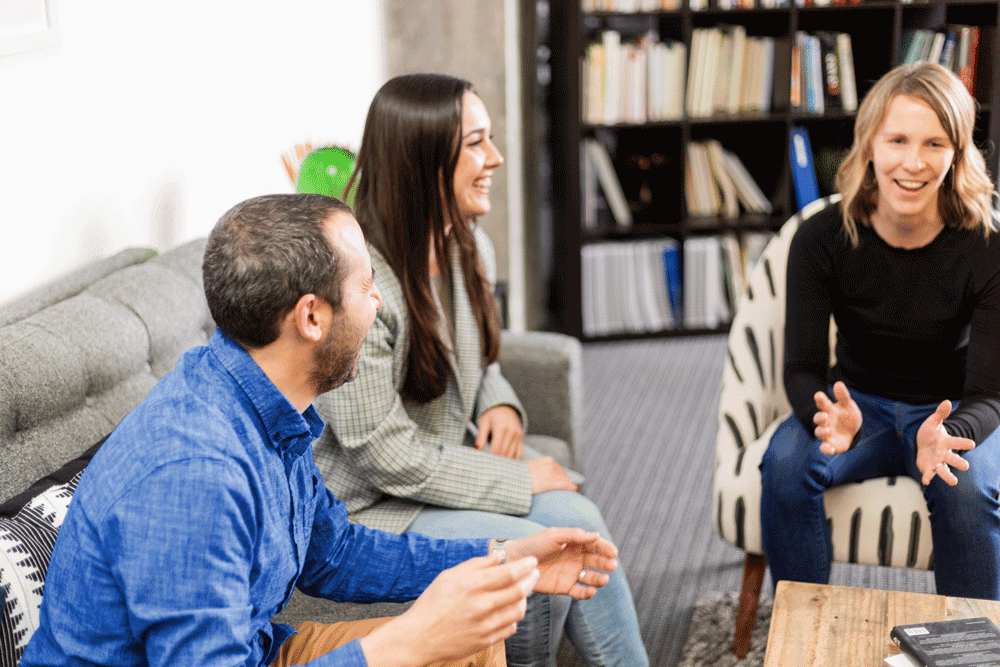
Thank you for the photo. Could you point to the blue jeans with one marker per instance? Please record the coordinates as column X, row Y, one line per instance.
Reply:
column 965, row 521
column 604, row 629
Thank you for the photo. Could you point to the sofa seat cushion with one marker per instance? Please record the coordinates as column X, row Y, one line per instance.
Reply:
column 29, row 523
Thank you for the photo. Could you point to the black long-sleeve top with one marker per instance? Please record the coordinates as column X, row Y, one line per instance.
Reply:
column 913, row 325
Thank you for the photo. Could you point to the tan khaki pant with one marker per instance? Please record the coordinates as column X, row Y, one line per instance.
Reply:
column 316, row 639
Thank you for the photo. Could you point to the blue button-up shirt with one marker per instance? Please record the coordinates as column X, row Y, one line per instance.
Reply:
column 196, row 519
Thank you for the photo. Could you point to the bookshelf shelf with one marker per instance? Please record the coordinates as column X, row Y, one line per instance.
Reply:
column 656, row 196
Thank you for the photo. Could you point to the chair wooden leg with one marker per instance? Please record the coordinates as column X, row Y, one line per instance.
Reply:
column 746, row 614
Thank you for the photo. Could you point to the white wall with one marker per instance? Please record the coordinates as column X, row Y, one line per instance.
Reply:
column 150, row 119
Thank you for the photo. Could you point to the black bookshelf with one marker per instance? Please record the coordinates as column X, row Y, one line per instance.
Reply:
column 761, row 139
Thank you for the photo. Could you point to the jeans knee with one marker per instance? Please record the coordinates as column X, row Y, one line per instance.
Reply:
column 569, row 509
column 964, row 507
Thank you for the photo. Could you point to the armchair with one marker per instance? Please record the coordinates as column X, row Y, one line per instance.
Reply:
column 881, row 521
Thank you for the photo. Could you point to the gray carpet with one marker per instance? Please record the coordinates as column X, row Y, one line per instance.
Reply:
column 648, row 450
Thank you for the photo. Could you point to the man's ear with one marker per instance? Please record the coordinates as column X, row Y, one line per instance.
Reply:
column 310, row 317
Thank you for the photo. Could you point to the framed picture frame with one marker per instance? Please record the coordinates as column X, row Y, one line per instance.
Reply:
column 27, row 25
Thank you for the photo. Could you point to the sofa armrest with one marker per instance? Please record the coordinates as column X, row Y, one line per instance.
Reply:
column 546, row 371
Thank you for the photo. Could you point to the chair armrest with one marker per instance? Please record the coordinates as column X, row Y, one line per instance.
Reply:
column 546, row 372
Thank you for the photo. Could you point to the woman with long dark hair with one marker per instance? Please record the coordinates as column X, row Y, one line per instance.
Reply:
column 399, row 450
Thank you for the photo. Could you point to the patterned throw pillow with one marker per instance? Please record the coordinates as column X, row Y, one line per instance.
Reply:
column 29, row 523
column 26, row 542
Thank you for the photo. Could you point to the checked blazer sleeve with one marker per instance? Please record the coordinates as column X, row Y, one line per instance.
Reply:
column 385, row 458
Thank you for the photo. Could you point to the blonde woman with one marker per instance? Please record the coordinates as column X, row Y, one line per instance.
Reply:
column 909, row 267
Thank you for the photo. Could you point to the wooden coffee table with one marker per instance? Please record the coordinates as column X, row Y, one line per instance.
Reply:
column 813, row 625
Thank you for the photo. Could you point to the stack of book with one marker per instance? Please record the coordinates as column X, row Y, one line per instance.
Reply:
column 717, row 183
column 632, row 81
column 826, row 3
column 629, row 6
column 630, row 287
column 637, row 286
column 729, row 72
column 955, row 47
column 822, row 73
column 750, row 4
column 715, row 272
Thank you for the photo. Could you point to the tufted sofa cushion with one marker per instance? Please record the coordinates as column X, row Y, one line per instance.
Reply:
column 70, row 371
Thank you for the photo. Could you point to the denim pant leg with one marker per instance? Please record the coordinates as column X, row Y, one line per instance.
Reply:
column 604, row 629
column 794, row 474
column 965, row 522
column 536, row 641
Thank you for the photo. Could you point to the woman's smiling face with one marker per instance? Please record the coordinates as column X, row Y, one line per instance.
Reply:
column 911, row 155
column 477, row 159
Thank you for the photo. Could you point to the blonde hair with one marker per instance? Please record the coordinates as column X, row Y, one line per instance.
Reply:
column 966, row 197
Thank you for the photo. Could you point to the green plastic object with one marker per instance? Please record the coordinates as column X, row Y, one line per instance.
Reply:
column 325, row 171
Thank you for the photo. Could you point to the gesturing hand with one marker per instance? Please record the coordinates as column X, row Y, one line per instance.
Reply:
column 501, row 427
column 935, row 448
column 836, row 423
column 567, row 560
column 464, row 610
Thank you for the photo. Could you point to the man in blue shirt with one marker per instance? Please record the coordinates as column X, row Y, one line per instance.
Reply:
column 203, row 510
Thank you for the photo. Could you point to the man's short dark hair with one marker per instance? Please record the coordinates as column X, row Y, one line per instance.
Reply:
column 263, row 255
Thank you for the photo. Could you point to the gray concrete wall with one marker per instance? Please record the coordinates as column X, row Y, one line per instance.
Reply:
column 464, row 38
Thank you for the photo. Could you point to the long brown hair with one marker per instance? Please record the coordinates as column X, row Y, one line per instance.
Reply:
column 965, row 200
column 405, row 200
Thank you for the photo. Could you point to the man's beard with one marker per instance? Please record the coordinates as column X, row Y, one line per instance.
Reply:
column 333, row 365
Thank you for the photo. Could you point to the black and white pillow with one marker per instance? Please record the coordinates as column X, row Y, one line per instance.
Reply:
column 26, row 542
column 29, row 523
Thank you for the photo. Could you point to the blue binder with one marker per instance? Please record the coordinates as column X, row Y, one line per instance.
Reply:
column 803, row 170
column 672, row 274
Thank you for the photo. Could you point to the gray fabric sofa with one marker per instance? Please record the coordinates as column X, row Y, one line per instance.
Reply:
column 79, row 352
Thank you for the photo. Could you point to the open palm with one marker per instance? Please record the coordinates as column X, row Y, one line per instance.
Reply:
column 836, row 423
column 563, row 554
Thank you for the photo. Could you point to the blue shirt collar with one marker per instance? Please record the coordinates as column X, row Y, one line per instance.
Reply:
column 287, row 428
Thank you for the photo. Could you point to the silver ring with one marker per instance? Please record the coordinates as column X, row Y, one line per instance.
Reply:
column 941, row 464
column 582, row 573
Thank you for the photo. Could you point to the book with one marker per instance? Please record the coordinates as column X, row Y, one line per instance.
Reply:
column 738, row 68
column 937, row 45
column 795, row 75
column 717, row 160
column 608, row 179
column 907, row 46
column 947, row 59
column 831, row 69
column 732, row 259
column 765, row 76
column 588, row 292
column 960, row 641
column 803, row 169
column 703, row 198
column 588, row 191
column 672, row 278
column 656, row 276
column 695, row 64
column 967, row 70
column 612, row 41
column 918, row 46
column 848, row 84
column 747, row 190
column 812, row 43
